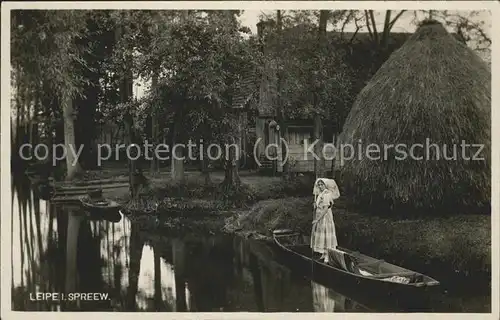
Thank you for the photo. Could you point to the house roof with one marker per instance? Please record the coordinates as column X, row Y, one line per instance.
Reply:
column 361, row 56
column 246, row 89
column 249, row 89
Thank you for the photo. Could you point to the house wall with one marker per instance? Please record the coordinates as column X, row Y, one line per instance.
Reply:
column 266, row 135
column 299, row 159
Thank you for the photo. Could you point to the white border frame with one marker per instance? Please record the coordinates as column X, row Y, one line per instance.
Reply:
column 5, row 305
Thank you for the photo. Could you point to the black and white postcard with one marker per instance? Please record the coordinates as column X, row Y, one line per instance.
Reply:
column 243, row 160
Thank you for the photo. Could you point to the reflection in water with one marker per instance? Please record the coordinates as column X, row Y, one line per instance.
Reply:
column 179, row 259
column 156, row 281
column 59, row 249
column 33, row 248
column 327, row 300
column 74, row 221
column 321, row 299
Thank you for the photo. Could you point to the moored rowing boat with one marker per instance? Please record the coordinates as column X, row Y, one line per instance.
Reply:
column 356, row 273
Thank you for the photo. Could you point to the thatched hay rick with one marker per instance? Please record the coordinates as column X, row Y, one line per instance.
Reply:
column 433, row 91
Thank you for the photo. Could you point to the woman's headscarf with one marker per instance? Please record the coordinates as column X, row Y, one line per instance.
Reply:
column 330, row 184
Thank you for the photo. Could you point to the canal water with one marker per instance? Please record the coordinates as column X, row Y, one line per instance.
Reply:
column 61, row 249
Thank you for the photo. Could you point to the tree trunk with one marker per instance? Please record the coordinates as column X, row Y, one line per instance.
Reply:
column 388, row 24
column 231, row 176
column 178, row 165
column 86, row 125
column 285, row 157
column 126, row 93
column 155, row 164
column 128, row 123
column 72, row 165
column 177, row 162
column 34, row 127
column 205, row 170
column 385, row 33
column 232, row 179
column 374, row 26
column 59, row 131
column 16, row 131
column 319, row 164
column 281, row 113
column 334, row 160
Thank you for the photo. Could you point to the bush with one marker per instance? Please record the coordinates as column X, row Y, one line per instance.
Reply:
column 268, row 215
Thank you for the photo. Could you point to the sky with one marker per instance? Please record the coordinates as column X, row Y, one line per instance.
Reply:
column 405, row 23
column 250, row 18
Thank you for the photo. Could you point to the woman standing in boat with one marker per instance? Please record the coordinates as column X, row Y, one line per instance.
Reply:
column 323, row 236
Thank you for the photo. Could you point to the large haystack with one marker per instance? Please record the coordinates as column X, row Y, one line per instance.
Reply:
column 435, row 88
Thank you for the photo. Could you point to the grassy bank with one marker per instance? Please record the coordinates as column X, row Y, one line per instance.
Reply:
column 255, row 187
column 436, row 246
column 195, row 193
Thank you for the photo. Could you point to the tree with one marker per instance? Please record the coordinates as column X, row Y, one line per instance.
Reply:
column 464, row 23
column 125, row 27
column 380, row 39
column 151, row 69
column 316, row 83
column 45, row 50
column 100, row 43
column 202, row 53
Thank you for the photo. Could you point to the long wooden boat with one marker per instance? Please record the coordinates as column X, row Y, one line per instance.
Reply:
column 355, row 271
column 102, row 209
